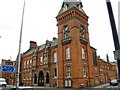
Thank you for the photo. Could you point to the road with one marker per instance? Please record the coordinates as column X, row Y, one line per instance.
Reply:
column 45, row 88
column 115, row 87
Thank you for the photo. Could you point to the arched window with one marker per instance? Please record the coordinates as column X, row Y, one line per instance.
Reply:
column 35, row 78
column 41, row 60
column 82, row 31
column 55, row 57
column 68, row 53
column 83, row 53
column 66, row 31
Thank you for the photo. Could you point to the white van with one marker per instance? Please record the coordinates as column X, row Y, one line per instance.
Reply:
column 3, row 82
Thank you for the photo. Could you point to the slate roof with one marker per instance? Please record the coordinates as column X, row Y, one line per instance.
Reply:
column 28, row 52
column 52, row 44
column 41, row 47
column 71, row 4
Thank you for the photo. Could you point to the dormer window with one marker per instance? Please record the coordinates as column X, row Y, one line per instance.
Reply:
column 65, row 7
column 79, row 7
column 66, row 31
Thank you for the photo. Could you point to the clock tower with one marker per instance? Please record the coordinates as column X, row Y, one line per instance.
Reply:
column 74, row 54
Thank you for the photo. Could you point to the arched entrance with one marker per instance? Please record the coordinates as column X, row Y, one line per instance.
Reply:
column 41, row 79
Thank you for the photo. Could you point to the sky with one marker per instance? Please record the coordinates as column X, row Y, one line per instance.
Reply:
column 40, row 24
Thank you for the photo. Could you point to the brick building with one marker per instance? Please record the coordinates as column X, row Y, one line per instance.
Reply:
column 9, row 76
column 66, row 61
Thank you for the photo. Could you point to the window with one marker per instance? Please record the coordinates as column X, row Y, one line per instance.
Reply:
column 65, row 7
column 30, row 75
column 47, row 78
column 45, row 59
column 24, row 75
column 27, row 63
column 55, row 72
column 55, row 57
column 94, row 58
column 24, row 64
column 68, row 53
column 34, row 62
column 35, row 78
column 96, row 78
column 68, row 71
column 68, row 83
column 30, row 62
column 66, row 31
column 83, row 53
column 41, row 60
column 84, row 71
column 82, row 31
column 79, row 7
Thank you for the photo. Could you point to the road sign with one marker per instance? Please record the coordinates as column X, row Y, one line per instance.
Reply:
column 117, row 55
column 8, row 68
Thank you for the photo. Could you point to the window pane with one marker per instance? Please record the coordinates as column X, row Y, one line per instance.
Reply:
column 55, row 57
column 84, row 71
column 45, row 60
column 83, row 53
column 68, row 53
column 68, row 71
column 24, row 64
column 41, row 60
column 66, row 31
column 69, row 83
column 55, row 72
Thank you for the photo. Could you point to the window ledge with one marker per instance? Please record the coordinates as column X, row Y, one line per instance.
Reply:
column 66, row 40
column 83, row 40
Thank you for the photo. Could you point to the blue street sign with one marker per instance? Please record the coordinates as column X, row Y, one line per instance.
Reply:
column 8, row 68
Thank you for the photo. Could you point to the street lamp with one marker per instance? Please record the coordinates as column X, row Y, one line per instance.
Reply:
column 115, row 36
column 19, row 52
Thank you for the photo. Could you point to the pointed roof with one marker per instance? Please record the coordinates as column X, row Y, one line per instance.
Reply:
column 72, row 0
column 71, row 4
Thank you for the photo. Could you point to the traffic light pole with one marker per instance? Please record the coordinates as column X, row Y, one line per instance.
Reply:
column 114, row 33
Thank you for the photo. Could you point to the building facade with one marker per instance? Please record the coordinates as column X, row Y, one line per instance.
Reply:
column 66, row 61
column 9, row 76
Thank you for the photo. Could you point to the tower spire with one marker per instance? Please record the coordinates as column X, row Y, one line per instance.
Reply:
column 68, row 4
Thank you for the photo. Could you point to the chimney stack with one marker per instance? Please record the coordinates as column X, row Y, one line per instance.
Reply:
column 54, row 38
column 33, row 44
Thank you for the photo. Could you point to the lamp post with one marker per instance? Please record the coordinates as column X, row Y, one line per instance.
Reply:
column 115, row 35
column 19, row 52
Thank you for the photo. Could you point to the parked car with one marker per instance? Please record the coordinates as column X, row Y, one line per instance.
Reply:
column 3, row 82
column 114, row 82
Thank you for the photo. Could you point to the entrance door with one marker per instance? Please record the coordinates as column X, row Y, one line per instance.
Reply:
column 41, row 79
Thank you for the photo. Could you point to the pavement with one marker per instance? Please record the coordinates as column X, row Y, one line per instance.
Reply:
column 51, row 88
column 101, row 86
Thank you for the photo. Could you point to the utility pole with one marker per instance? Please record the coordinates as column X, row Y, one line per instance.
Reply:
column 115, row 35
column 119, row 20
column 19, row 52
